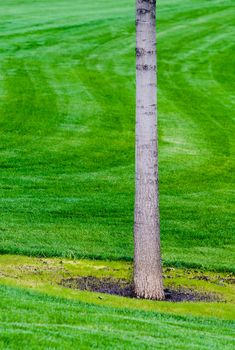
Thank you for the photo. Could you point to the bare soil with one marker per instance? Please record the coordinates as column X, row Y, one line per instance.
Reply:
column 124, row 288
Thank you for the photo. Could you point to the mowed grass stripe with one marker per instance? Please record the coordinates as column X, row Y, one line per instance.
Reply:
column 35, row 321
column 31, row 92
column 67, row 153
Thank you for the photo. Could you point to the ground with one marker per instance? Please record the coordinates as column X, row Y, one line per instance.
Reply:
column 67, row 119
column 37, row 310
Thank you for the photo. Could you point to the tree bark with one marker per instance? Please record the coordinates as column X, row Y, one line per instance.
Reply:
column 147, row 263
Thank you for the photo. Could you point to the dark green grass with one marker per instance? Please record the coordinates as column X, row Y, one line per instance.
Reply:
column 32, row 321
column 67, row 109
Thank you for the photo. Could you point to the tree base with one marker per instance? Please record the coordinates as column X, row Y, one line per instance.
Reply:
column 149, row 288
column 150, row 296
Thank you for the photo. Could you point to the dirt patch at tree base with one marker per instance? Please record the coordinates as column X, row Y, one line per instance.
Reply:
column 124, row 288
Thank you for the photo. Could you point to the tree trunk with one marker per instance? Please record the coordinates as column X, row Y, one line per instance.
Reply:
column 147, row 265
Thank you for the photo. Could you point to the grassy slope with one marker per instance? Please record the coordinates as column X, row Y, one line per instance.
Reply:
column 67, row 129
column 44, row 275
column 41, row 322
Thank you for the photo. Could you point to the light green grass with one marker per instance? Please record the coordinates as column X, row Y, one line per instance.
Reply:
column 41, row 322
column 67, row 95
column 45, row 275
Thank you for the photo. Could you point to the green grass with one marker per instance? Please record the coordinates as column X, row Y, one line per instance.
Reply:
column 67, row 119
column 67, row 110
column 44, row 275
column 40, row 322
column 50, row 316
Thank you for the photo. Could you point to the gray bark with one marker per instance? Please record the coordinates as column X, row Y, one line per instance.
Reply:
column 147, row 265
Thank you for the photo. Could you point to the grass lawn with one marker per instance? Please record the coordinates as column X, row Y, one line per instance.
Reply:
column 67, row 120
column 37, row 312
column 40, row 322
column 67, row 95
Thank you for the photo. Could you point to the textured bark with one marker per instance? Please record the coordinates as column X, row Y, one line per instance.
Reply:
column 147, row 267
